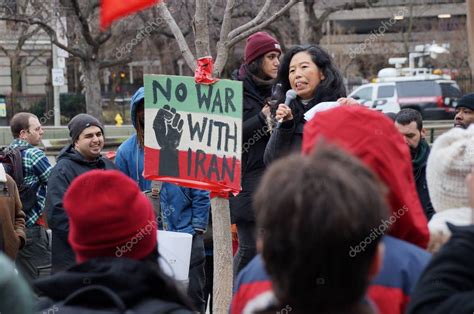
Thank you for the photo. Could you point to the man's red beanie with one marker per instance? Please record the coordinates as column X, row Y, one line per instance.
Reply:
column 109, row 217
column 259, row 44
column 373, row 138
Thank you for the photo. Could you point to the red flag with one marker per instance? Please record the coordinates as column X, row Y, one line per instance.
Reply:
column 111, row 10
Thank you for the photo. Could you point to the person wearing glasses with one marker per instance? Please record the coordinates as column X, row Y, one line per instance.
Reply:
column 35, row 257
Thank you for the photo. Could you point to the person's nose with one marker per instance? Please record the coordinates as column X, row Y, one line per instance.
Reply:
column 297, row 73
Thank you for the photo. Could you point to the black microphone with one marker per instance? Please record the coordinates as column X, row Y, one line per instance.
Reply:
column 290, row 95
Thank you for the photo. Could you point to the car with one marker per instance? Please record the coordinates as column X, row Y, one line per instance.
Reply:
column 434, row 98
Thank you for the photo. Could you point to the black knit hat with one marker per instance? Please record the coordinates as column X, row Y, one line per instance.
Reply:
column 80, row 122
column 466, row 101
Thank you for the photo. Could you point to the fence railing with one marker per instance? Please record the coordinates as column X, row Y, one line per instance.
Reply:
column 436, row 127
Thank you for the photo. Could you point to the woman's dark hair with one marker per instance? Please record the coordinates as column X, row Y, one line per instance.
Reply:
column 255, row 68
column 329, row 89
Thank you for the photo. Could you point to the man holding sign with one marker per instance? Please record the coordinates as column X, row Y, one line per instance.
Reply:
column 182, row 209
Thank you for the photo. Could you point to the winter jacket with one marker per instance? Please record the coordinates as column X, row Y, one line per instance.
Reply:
column 372, row 137
column 70, row 165
column 287, row 136
column 182, row 209
column 390, row 290
column 255, row 135
column 134, row 282
column 419, row 172
column 12, row 218
column 403, row 264
column 447, row 284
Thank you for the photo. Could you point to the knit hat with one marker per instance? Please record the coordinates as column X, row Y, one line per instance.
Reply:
column 373, row 138
column 109, row 217
column 466, row 101
column 80, row 122
column 450, row 161
column 259, row 44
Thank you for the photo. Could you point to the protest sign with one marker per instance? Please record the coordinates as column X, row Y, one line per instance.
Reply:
column 193, row 132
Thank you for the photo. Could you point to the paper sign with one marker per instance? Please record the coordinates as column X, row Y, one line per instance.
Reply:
column 193, row 132
column 322, row 106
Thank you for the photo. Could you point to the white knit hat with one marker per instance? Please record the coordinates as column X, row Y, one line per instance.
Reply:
column 450, row 161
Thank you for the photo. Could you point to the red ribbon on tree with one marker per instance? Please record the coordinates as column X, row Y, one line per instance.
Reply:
column 203, row 73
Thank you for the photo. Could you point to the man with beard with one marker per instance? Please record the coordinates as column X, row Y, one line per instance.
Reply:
column 410, row 124
column 464, row 111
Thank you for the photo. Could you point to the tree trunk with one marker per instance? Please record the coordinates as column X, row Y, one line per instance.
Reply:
column 470, row 37
column 15, row 64
column 92, row 85
column 222, row 290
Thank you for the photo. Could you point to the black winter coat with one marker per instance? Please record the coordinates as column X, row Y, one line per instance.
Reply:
column 70, row 165
column 287, row 137
column 447, row 284
column 255, row 136
column 137, row 284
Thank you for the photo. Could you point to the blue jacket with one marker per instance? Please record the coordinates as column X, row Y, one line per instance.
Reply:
column 183, row 209
column 390, row 290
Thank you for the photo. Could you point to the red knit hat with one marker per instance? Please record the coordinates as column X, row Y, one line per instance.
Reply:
column 373, row 138
column 109, row 217
column 259, row 44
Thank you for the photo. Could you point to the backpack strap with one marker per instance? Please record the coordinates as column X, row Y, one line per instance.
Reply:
column 17, row 163
column 109, row 294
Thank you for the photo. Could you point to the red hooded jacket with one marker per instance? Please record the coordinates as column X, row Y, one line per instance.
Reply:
column 373, row 138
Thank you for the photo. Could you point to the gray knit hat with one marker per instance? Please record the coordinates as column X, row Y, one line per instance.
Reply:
column 451, row 160
column 80, row 122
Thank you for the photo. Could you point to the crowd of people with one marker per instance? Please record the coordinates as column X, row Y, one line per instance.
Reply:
column 349, row 211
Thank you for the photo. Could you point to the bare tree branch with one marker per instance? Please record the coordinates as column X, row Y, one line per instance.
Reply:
column 111, row 63
column 92, row 5
column 86, row 32
column 4, row 50
column 254, row 22
column 183, row 45
column 48, row 29
column 104, row 36
column 201, row 29
column 245, row 34
column 227, row 20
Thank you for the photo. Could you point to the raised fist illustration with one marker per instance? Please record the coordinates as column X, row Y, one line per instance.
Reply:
column 168, row 127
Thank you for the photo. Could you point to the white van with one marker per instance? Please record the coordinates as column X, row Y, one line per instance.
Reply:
column 435, row 99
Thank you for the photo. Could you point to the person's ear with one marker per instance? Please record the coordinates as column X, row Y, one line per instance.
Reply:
column 23, row 134
column 423, row 133
column 377, row 261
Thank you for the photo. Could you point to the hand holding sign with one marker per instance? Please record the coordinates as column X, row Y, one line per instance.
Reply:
column 168, row 127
